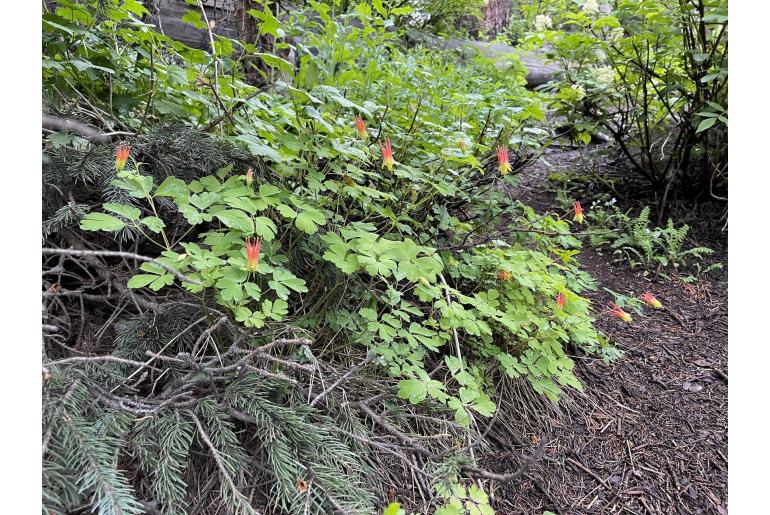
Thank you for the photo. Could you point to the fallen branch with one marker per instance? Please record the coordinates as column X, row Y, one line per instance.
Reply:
column 96, row 359
column 91, row 133
column 511, row 476
column 128, row 255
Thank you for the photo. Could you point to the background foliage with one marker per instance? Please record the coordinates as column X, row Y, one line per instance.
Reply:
column 387, row 318
column 651, row 74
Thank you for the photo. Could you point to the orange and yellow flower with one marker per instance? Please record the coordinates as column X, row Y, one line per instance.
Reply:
column 252, row 253
column 578, row 212
column 463, row 145
column 249, row 177
column 618, row 312
column 561, row 299
column 504, row 275
column 387, row 155
column 124, row 150
column 502, row 161
column 650, row 300
column 361, row 128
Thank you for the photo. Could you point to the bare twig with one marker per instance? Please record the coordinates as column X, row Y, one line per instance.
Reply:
column 152, row 90
column 207, row 333
column 511, row 476
column 146, row 364
column 87, row 131
column 589, row 472
column 129, row 255
column 344, row 377
column 229, row 112
column 95, row 359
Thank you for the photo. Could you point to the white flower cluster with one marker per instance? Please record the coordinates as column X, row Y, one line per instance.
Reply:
column 591, row 7
column 605, row 76
column 543, row 22
column 579, row 90
column 610, row 203
column 615, row 34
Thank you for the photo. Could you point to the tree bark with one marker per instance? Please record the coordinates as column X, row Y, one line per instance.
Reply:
column 257, row 72
column 496, row 16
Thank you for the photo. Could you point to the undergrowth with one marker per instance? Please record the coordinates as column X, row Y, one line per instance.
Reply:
column 634, row 240
column 312, row 324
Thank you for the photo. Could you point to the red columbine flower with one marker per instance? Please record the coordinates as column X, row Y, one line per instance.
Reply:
column 504, row 275
column 249, row 177
column 252, row 253
column 387, row 155
column 361, row 128
column 650, row 300
column 578, row 212
column 502, row 161
column 561, row 299
column 618, row 312
column 122, row 156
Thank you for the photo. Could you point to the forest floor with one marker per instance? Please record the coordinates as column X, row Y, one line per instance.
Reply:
column 649, row 433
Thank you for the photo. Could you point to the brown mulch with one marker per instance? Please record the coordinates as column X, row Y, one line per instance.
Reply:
column 649, row 433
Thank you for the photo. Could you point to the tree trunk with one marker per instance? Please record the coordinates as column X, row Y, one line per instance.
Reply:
column 496, row 16
column 257, row 73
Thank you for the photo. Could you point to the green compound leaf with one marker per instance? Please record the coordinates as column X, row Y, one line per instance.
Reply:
column 101, row 222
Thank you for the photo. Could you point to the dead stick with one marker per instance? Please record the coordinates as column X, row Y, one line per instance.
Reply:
column 88, row 132
column 343, row 378
column 589, row 472
column 129, row 255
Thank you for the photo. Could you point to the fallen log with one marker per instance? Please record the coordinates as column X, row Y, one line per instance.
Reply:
column 538, row 70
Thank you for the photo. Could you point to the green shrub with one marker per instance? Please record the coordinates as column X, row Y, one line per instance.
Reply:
column 653, row 75
column 356, row 258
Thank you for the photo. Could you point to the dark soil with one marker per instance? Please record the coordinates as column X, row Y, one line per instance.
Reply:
column 649, row 433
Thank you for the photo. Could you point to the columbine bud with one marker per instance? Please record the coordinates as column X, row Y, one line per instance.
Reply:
column 502, row 161
column 650, row 300
column 561, row 299
column 361, row 128
column 387, row 155
column 618, row 312
column 249, row 177
column 122, row 156
column 463, row 145
column 252, row 253
column 578, row 212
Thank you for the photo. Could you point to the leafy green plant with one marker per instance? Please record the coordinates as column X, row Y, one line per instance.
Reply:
column 442, row 16
column 632, row 240
column 653, row 75
column 360, row 257
column 660, row 246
